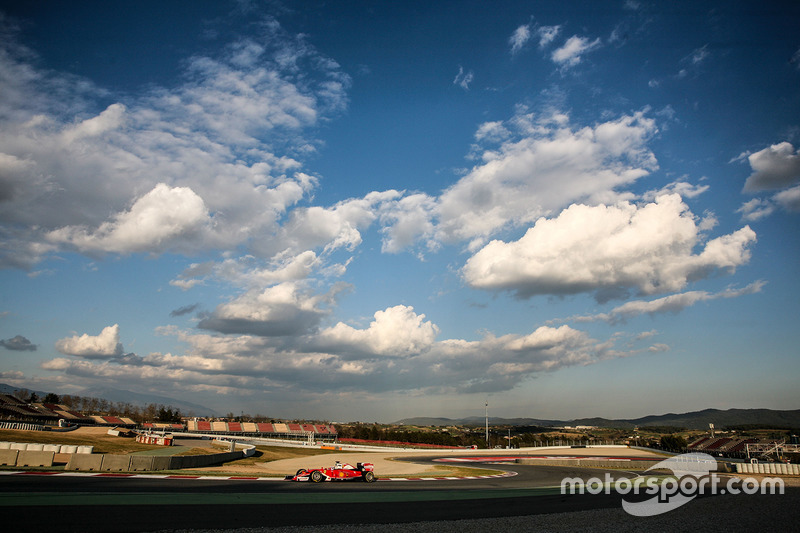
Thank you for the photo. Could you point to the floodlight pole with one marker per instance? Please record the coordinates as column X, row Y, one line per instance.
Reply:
column 487, row 423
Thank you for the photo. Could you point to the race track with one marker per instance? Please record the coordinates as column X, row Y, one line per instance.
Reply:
column 60, row 503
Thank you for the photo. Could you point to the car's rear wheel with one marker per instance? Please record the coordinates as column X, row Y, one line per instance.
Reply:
column 369, row 477
column 316, row 476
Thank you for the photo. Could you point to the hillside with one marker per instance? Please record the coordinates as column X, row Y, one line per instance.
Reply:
column 692, row 420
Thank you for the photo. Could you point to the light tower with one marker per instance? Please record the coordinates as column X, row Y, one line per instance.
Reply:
column 487, row 422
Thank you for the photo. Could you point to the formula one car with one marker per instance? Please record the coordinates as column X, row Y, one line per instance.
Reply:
column 339, row 472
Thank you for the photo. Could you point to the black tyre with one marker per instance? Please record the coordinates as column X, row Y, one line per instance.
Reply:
column 300, row 471
column 369, row 477
column 316, row 476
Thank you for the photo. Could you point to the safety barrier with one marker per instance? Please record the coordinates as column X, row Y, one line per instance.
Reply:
column 55, row 448
column 8, row 457
column 81, row 458
column 587, row 463
column 115, row 463
column 768, row 468
column 91, row 463
column 35, row 458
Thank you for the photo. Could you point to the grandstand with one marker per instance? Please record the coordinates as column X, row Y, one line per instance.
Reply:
column 160, row 426
column 292, row 431
column 13, row 408
column 728, row 446
column 113, row 421
column 66, row 413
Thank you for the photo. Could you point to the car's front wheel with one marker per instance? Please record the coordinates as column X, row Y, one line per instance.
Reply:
column 369, row 477
column 316, row 476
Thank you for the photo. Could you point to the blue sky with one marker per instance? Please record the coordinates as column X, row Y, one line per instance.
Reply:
column 369, row 211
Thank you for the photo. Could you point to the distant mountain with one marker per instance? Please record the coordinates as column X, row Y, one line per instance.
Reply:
column 693, row 420
column 125, row 396
column 136, row 398
column 8, row 389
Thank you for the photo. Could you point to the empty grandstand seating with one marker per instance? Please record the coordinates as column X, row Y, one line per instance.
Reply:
column 699, row 442
column 717, row 444
column 264, row 429
column 730, row 446
column 13, row 408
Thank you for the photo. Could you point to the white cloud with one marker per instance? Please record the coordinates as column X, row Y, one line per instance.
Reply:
column 673, row 303
column 519, row 38
column 756, row 209
column 335, row 227
column 548, row 167
column 395, row 332
column 280, row 310
column 607, row 250
column 775, row 167
column 154, row 223
column 110, row 119
column 699, row 55
column 106, row 345
column 219, row 134
column 572, row 51
column 406, row 220
column 463, row 79
column 397, row 352
column 492, row 132
column 789, row 199
column 547, row 34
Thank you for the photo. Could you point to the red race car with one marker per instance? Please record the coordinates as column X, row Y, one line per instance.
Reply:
column 339, row 472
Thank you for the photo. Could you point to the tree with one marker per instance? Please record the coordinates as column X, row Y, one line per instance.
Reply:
column 51, row 398
column 673, row 443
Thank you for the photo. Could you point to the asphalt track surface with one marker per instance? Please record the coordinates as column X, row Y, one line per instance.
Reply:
column 36, row 502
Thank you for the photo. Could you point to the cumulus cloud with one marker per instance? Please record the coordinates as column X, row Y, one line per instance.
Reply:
column 395, row 332
column 406, row 220
column 18, row 344
column 572, row 51
column 775, row 167
column 106, row 345
column 154, row 223
column 546, row 166
column 396, row 352
column 607, row 250
column 332, row 228
column 280, row 310
column 231, row 134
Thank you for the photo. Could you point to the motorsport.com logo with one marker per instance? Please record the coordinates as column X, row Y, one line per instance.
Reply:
column 691, row 477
